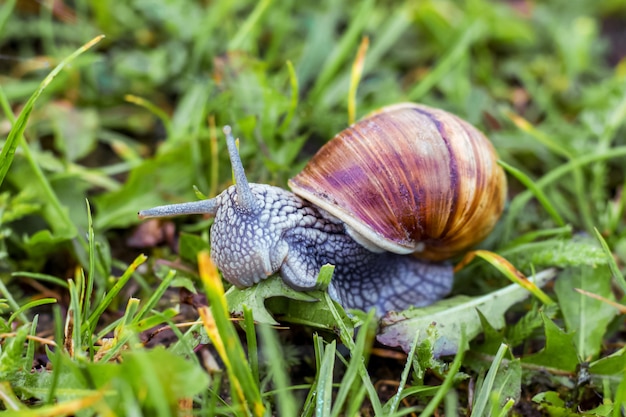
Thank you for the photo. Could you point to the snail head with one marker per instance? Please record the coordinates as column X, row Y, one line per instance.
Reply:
column 245, row 246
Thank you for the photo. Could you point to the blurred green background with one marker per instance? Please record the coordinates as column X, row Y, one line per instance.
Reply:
column 136, row 122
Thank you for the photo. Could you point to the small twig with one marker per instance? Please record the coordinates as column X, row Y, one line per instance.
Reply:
column 30, row 337
column 620, row 307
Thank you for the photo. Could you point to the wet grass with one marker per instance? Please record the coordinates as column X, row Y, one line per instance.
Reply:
column 103, row 314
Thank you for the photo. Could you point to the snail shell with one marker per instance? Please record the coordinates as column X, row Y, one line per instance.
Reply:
column 408, row 178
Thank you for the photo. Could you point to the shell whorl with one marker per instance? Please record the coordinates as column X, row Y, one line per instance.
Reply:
column 409, row 178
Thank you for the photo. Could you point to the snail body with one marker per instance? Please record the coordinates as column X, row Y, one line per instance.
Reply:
column 385, row 201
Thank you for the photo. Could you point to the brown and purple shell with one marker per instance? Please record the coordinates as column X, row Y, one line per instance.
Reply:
column 409, row 178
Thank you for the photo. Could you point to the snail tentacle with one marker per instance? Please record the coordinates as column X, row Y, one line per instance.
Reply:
column 196, row 207
column 245, row 197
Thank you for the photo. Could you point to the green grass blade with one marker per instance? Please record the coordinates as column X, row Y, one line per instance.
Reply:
column 55, row 358
column 30, row 350
column 271, row 347
column 248, row 25
column 355, row 78
column 251, row 339
column 293, row 103
column 19, row 125
column 482, row 398
column 537, row 192
column 226, row 340
column 324, row 396
column 11, row 301
column 617, row 274
column 9, row 400
column 518, row 203
column 346, row 339
column 395, row 401
column 342, row 50
column 309, row 404
column 358, row 357
column 451, row 404
column 74, row 324
column 466, row 38
column 30, row 305
column 121, row 282
column 41, row 277
column 557, row 148
column 152, row 108
column 88, row 288
column 156, row 295
column 5, row 12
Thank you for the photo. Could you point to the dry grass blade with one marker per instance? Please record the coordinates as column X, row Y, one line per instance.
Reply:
column 508, row 270
column 355, row 77
column 618, row 306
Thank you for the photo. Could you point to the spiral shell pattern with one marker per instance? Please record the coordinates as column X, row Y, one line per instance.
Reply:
column 409, row 178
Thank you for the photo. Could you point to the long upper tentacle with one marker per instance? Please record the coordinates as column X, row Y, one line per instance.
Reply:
column 195, row 207
column 244, row 195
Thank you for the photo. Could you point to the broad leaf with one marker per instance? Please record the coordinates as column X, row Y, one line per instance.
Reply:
column 559, row 351
column 493, row 338
column 254, row 298
column 75, row 129
column 190, row 245
column 558, row 253
column 449, row 316
column 583, row 315
column 272, row 298
column 613, row 364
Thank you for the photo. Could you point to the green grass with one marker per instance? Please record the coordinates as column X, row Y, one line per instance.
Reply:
column 101, row 314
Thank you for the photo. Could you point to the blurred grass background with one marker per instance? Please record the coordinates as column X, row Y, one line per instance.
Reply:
column 135, row 121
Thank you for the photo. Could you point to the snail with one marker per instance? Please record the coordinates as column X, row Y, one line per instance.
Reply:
column 387, row 201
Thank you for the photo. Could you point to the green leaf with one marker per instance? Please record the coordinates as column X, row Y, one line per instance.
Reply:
column 558, row 253
column 559, row 351
column 508, row 383
column 449, row 316
column 175, row 376
column 11, row 352
column 75, row 130
column 189, row 245
column 18, row 206
column 613, row 364
column 254, row 298
column 553, row 404
column 587, row 317
column 493, row 338
column 527, row 325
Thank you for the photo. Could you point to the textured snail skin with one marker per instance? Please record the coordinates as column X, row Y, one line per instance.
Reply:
column 405, row 181
column 285, row 234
